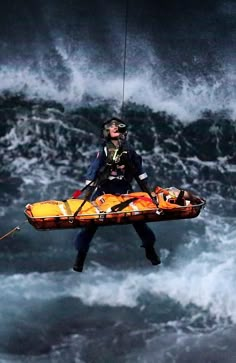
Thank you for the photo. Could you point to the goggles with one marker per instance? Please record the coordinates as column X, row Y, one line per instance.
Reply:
column 121, row 127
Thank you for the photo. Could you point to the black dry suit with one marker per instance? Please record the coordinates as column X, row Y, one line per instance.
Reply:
column 113, row 171
column 115, row 168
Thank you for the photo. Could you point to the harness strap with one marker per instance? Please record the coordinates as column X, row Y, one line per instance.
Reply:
column 119, row 207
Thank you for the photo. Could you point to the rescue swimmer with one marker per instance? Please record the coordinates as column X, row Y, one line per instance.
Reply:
column 112, row 172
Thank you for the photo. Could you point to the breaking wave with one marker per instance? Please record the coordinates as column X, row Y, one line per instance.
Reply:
column 77, row 80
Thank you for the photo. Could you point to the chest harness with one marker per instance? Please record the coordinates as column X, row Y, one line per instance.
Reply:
column 115, row 159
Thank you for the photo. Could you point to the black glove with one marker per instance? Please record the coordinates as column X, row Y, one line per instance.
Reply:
column 144, row 185
column 146, row 189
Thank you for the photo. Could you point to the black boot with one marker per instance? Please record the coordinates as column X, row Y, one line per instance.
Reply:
column 79, row 262
column 152, row 256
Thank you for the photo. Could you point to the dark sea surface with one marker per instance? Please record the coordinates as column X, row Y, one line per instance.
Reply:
column 61, row 76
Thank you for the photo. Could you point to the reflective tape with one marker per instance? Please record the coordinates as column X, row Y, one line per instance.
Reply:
column 142, row 176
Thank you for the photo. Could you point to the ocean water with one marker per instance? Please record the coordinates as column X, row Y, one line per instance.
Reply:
column 61, row 76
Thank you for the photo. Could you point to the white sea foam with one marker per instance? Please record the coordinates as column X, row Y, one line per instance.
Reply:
column 143, row 85
column 40, row 168
column 206, row 280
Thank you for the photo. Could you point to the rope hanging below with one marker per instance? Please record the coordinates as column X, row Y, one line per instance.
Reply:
column 13, row 230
